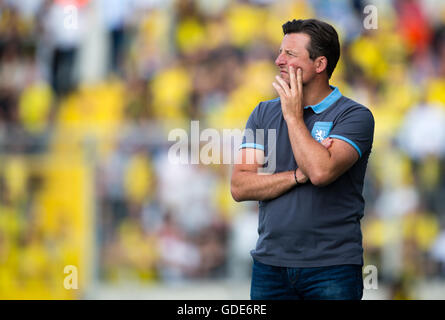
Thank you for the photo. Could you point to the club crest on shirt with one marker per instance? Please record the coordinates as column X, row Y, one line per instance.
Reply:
column 321, row 130
column 320, row 135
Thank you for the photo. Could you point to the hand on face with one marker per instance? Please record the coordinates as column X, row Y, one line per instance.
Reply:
column 291, row 95
column 285, row 74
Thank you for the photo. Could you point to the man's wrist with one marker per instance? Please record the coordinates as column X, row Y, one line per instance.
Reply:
column 294, row 121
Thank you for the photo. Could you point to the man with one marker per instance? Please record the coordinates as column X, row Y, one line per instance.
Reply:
column 310, row 242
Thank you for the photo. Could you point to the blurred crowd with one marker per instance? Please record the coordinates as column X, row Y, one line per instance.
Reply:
column 90, row 89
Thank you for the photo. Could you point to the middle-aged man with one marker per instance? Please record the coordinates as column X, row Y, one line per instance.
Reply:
column 310, row 242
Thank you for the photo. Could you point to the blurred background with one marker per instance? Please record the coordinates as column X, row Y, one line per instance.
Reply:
column 90, row 89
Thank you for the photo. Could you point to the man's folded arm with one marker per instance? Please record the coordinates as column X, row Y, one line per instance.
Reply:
column 322, row 166
column 248, row 184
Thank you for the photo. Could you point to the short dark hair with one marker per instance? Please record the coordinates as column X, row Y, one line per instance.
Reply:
column 324, row 40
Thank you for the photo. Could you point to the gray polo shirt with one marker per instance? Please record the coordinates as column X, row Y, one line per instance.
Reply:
column 312, row 226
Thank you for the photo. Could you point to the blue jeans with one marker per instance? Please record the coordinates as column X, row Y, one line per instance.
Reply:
column 340, row 282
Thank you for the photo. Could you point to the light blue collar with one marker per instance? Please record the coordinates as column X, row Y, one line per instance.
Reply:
column 326, row 102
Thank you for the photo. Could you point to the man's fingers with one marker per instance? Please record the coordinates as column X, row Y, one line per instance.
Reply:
column 327, row 142
column 293, row 80
column 278, row 88
column 300, row 81
column 283, row 84
column 301, row 177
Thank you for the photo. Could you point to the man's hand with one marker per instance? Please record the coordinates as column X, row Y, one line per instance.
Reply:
column 291, row 98
column 326, row 143
column 301, row 177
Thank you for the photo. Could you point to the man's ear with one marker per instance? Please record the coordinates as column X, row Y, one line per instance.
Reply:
column 321, row 63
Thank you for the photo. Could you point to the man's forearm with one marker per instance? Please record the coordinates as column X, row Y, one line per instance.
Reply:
column 249, row 185
column 311, row 156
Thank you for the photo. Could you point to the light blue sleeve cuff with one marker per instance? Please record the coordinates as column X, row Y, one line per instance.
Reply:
column 348, row 141
column 251, row 145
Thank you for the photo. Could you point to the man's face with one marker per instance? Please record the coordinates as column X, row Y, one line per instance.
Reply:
column 293, row 52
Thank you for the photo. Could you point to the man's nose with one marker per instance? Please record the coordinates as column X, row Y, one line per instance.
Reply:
column 280, row 60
